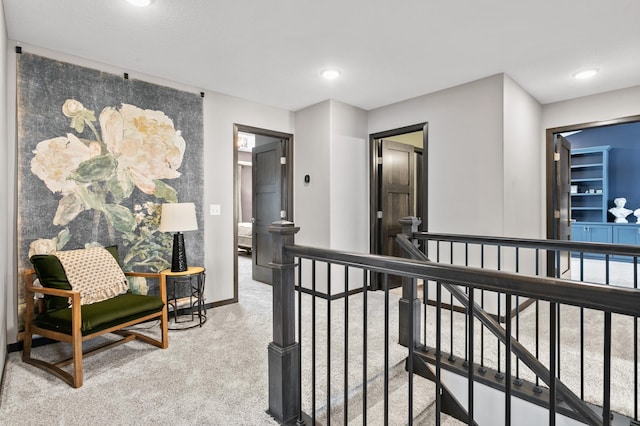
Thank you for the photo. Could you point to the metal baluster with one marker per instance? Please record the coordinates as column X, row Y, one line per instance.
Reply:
column 552, row 364
column 582, row 331
column 470, row 392
column 558, row 267
column 452, row 358
column 300, row 422
column 482, row 369
column 606, row 398
column 364, row 348
column 517, row 381
column 412, row 345
column 635, row 345
column 438, row 351
column 328, row 344
column 313, row 341
column 537, row 389
column 425, row 302
column 507, row 362
column 499, row 374
column 451, row 253
column 346, row 343
column 386, row 349
column 465, row 364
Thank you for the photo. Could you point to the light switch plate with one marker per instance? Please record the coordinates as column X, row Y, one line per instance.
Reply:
column 214, row 209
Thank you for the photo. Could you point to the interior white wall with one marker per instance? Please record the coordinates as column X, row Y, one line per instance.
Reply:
column 332, row 149
column 311, row 153
column 6, row 227
column 465, row 153
column 220, row 113
column 600, row 107
column 349, row 178
column 522, row 171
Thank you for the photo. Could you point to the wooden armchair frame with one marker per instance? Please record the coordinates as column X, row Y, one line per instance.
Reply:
column 76, row 338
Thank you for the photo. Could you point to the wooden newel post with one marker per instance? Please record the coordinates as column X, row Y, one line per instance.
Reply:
column 284, row 371
column 408, row 327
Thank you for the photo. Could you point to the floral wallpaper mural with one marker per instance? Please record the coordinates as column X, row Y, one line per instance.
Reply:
column 98, row 155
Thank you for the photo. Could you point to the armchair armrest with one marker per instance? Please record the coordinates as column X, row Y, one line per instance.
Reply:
column 30, row 289
column 143, row 274
column 161, row 279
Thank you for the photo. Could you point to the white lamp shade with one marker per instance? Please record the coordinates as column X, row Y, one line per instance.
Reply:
column 178, row 217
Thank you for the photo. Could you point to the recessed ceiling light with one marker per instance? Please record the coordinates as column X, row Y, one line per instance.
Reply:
column 330, row 73
column 584, row 74
column 140, row 3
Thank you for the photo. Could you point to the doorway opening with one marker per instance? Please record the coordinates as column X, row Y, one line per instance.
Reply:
column 588, row 166
column 262, row 194
column 398, row 187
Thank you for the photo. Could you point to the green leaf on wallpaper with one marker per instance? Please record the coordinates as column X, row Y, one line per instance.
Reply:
column 63, row 238
column 95, row 169
column 165, row 192
column 77, row 123
column 121, row 186
column 69, row 207
column 90, row 199
column 120, row 217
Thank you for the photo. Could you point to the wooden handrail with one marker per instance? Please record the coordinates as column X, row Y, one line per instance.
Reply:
column 594, row 296
column 553, row 245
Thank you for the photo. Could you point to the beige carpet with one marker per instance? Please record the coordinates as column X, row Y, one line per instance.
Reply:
column 214, row 375
column 217, row 374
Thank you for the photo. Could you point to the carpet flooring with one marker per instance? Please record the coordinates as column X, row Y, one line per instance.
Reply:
column 213, row 375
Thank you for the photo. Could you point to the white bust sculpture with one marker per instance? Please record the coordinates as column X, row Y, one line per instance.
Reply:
column 619, row 211
column 636, row 213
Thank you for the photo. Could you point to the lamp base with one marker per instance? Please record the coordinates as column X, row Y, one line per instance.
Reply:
column 179, row 257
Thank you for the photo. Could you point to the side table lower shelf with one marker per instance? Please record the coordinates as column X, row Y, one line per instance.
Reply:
column 185, row 292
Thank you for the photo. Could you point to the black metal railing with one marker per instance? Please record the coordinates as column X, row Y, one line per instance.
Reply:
column 544, row 256
column 285, row 354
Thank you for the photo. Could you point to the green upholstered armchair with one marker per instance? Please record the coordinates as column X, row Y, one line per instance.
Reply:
column 64, row 317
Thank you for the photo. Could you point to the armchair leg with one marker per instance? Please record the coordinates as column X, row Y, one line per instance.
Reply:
column 26, row 348
column 28, row 337
column 77, row 361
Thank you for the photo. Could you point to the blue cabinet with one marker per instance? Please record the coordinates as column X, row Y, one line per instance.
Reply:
column 615, row 233
column 625, row 233
column 590, row 178
column 591, row 233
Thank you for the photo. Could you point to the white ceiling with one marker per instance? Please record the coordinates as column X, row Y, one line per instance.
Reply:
column 271, row 51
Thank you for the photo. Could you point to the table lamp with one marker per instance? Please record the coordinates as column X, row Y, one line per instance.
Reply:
column 178, row 217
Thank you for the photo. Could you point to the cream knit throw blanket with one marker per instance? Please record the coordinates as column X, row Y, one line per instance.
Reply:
column 94, row 273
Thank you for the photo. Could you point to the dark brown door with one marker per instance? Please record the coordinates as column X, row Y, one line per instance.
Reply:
column 268, row 206
column 397, row 195
column 563, row 212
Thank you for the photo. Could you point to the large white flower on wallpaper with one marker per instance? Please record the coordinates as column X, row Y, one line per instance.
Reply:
column 56, row 159
column 145, row 143
column 133, row 148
